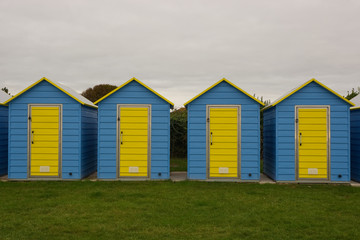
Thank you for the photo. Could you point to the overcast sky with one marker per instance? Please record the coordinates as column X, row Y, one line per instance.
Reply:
column 180, row 48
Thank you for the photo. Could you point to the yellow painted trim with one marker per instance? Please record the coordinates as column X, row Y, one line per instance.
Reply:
column 45, row 79
column 354, row 108
column 214, row 85
column 305, row 84
column 142, row 84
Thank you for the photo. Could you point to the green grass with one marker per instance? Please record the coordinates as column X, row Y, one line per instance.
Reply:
column 178, row 164
column 182, row 210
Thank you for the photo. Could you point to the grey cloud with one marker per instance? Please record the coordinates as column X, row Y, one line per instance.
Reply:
column 181, row 47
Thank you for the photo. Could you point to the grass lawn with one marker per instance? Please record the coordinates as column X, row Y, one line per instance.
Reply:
column 182, row 210
column 178, row 164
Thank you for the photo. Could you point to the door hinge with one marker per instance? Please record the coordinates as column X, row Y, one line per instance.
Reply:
column 297, row 120
column 118, row 118
column 208, row 119
column 29, row 118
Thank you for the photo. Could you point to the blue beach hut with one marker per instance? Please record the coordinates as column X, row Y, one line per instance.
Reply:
column 355, row 139
column 307, row 135
column 224, row 134
column 3, row 133
column 134, row 133
column 52, row 133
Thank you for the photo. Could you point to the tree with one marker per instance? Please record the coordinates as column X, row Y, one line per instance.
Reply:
column 178, row 132
column 98, row 91
column 5, row 89
column 353, row 93
column 267, row 103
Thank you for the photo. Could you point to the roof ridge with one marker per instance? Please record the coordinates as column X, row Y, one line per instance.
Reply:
column 296, row 89
column 142, row 84
column 67, row 90
column 217, row 83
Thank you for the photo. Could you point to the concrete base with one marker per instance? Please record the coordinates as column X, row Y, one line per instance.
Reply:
column 230, row 180
column 264, row 179
column 92, row 177
column 354, row 184
column 182, row 176
column 4, row 178
column 178, row 176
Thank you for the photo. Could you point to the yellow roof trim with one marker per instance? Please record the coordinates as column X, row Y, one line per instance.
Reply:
column 55, row 85
column 217, row 83
column 302, row 86
column 354, row 108
column 142, row 84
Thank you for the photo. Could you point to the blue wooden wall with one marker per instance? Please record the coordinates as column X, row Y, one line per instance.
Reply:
column 312, row 94
column 45, row 93
column 134, row 93
column 269, row 142
column 89, row 130
column 3, row 140
column 223, row 94
column 355, row 144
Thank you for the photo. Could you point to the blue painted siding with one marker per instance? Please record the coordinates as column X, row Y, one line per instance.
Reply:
column 269, row 142
column 3, row 140
column 355, row 144
column 313, row 94
column 134, row 93
column 44, row 93
column 224, row 94
column 89, row 136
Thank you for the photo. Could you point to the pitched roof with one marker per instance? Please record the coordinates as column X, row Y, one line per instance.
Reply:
column 356, row 101
column 70, row 92
column 217, row 83
column 294, row 90
column 142, row 84
column 4, row 97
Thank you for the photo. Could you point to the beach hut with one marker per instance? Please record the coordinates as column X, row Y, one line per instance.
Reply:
column 134, row 133
column 3, row 133
column 355, row 138
column 52, row 133
column 307, row 135
column 223, row 134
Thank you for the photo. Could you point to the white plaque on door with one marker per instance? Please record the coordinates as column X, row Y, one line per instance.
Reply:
column 133, row 169
column 44, row 168
column 223, row 170
column 312, row 171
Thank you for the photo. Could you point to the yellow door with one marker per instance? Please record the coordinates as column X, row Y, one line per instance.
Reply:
column 44, row 141
column 134, row 140
column 223, row 142
column 312, row 143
